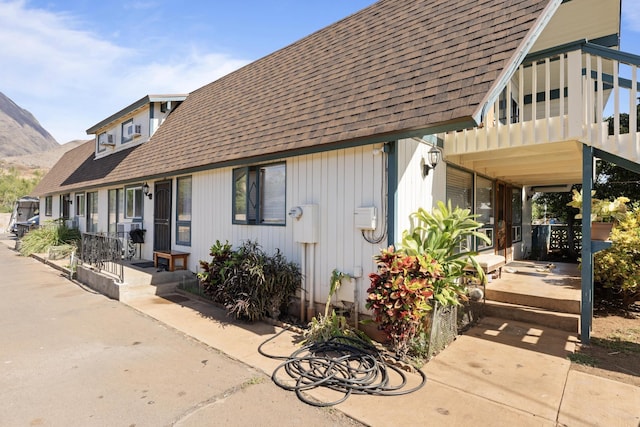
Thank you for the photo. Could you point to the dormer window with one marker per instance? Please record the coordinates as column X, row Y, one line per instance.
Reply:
column 105, row 140
column 126, row 136
column 130, row 130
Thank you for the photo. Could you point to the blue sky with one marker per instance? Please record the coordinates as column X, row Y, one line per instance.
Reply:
column 73, row 63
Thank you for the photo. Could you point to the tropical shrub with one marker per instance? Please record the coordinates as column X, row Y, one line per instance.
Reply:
column 249, row 283
column 445, row 234
column 213, row 272
column 618, row 268
column 399, row 294
column 602, row 210
column 52, row 233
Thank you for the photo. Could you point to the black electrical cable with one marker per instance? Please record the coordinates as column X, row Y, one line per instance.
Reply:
column 343, row 364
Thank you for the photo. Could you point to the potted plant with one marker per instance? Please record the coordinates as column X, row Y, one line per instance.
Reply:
column 604, row 213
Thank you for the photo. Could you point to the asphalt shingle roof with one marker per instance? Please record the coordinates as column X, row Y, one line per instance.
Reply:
column 395, row 67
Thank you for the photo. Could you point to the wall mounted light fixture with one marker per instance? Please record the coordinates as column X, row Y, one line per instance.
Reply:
column 433, row 157
column 145, row 190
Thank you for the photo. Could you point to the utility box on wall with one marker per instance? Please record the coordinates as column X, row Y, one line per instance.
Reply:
column 306, row 223
column 365, row 218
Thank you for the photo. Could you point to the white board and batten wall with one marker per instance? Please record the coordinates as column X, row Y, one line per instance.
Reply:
column 338, row 182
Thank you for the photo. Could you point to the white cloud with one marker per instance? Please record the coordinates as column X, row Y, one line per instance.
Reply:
column 631, row 14
column 71, row 78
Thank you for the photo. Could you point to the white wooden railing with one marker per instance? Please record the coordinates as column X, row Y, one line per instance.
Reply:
column 561, row 95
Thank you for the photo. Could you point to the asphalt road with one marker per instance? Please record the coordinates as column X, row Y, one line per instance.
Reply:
column 72, row 357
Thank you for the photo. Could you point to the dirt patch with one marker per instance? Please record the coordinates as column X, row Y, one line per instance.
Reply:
column 614, row 351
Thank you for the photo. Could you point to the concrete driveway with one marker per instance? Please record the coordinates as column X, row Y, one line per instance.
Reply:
column 72, row 357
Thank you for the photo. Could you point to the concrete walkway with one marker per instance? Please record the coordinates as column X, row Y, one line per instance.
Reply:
column 499, row 373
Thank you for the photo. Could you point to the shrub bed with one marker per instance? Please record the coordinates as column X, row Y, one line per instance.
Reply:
column 249, row 283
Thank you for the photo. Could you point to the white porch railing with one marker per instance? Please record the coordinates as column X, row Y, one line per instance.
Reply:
column 561, row 95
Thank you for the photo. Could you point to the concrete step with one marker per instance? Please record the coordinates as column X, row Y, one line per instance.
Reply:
column 128, row 292
column 556, row 304
column 538, row 316
column 148, row 276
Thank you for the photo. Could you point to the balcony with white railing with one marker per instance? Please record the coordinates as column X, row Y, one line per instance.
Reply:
column 556, row 101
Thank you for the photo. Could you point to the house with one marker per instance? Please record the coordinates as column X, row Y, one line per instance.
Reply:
column 323, row 148
column 72, row 188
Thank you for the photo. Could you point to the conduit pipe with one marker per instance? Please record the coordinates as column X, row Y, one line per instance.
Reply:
column 311, row 310
column 303, row 271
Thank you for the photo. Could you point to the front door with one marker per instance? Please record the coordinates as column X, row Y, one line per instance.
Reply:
column 64, row 206
column 162, row 216
column 504, row 221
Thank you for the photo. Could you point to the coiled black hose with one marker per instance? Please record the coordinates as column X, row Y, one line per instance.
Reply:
column 343, row 364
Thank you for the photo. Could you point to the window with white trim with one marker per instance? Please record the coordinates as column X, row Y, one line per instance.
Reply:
column 48, row 206
column 80, row 204
column 133, row 202
column 183, row 211
column 259, row 195
column 126, row 132
column 92, row 212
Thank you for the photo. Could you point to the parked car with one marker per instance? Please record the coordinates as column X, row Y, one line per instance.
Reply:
column 23, row 227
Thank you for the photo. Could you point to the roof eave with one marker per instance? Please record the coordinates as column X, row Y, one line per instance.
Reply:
column 132, row 107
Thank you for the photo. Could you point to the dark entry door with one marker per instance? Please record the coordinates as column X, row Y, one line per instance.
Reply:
column 64, row 206
column 162, row 216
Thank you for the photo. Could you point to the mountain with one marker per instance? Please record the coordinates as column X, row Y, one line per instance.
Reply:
column 43, row 159
column 20, row 132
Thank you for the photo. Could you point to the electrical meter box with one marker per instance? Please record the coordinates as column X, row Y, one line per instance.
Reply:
column 306, row 223
column 365, row 218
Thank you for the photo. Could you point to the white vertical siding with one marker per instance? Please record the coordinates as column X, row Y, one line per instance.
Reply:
column 414, row 190
column 338, row 182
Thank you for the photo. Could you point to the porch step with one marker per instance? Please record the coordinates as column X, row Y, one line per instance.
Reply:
column 139, row 284
column 534, row 315
column 129, row 292
column 551, row 303
column 148, row 276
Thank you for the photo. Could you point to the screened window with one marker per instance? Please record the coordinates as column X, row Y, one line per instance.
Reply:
column 48, row 205
column 183, row 211
column 516, row 212
column 101, row 142
column 92, row 212
column 484, row 210
column 114, row 208
column 126, row 131
column 133, row 202
column 80, row 204
column 460, row 193
column 259, row 195
column 460, row 188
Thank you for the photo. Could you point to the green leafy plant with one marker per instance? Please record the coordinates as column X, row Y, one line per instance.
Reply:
column 602, row 210
column 212, row 276
column 51, row 233
column 618, row 268
column 248, row 282
column 445, row 234
column 399, row 294
column 331, row 325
